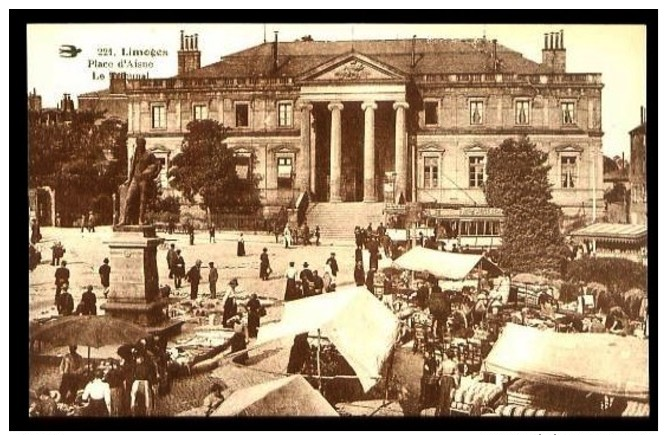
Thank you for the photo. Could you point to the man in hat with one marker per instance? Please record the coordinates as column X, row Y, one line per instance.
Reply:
column 178, row 269
column 89, row 301
column 212, row 278
column 318, row 283
column 71, row 369
column 306, row 277
column 333, row 264
column 62, row 278
column 105, row 272
column 65, row 302
column 171, row 259
column 264, row 265
column 194, row 276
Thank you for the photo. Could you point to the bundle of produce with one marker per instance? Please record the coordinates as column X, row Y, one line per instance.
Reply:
column 525, row 411
column 636, row 409
column 483, row 393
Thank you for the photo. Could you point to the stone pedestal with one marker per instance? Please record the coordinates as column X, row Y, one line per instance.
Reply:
column 134, row 292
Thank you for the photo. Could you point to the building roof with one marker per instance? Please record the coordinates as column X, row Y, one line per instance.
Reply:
column 612, row 232
column 433, row 56
column 639, row 129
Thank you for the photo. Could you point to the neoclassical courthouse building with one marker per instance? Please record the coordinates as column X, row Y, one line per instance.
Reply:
column 373, row 121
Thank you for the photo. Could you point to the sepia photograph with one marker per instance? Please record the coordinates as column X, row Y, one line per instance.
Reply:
column 433, row 221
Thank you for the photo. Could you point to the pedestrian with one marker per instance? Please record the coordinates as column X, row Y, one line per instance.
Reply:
column 299, row 354
column 211, row 233
column 420, row 240
column 255, row 313
column 212, row 279
column 277, row 230
column 359, row 274
column 318, row 283
column 83, row 222
column 369, row 229
column 264, row 265
column 357, row 237
column 287, row 236
column 171, row 259
column 65, row 303
column 317, row 235
column 306, row 234
column 115, row 378
column 91, row 222
column 291, row 292
column 105, row 272
column 327, row 279
column 306, row 277
column 191, row 232
column 36, row 233
column 71, row 370
column 448, row 381
column 194, row 276
column 171, row 226
column 240, row 247
column 229, row 307
column 179, row 269
column 58, row 220
column 374, row 253
column 381, row 230
column 57, row 252
column 358, row 255
column 98, row 395
column 370, row 280
column 239, row 340
column 143, row 377
column 333, row 264
column 89, row 301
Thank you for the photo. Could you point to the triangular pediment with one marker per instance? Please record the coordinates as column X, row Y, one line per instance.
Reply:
column 353, row 67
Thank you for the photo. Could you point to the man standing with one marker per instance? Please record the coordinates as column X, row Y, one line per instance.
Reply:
column 212, row 279
column 89, row 301
column 171, row 259
column 317, row 235
column 211, row 233
column 306, row 234
column 83, row 222
column 333, row 264
column 71, row 368
column 179, row 269
column 306, row 277
column 65, row 303
column 91, row 222
column 374, row 251
column 318, row 283
column 191, row 232
column 62, row 278
column 193, row 277
column 36, row 235
column 105, row 272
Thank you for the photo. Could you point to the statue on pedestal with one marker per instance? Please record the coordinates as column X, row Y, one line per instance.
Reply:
column 139, row 186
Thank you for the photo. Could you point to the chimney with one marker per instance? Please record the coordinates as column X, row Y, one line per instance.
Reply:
column 495, row 55
column 189, row 56
column 275, row 51
column 413, row 60
column 553, row 53
column 562, row 39
column 642, row 115
column 118, row 84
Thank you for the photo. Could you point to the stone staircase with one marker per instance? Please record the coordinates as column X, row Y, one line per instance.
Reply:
column 337, row 220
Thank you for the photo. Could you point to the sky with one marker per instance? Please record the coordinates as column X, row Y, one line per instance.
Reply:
column 616, row 51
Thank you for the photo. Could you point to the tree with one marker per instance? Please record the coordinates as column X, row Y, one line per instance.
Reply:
column 517, row 183
column 206, row 167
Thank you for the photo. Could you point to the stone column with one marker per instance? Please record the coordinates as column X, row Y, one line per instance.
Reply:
column 305, row 167
column 369, row 151
column 401, row 157
column 334, row 174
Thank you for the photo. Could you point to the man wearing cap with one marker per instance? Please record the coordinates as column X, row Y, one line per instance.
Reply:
column 331, row 261
column 193, row 277
column 212, row 278
column 306, row 277
column 105, row 272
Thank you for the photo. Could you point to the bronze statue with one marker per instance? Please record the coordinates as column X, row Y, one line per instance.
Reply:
column 143, row 171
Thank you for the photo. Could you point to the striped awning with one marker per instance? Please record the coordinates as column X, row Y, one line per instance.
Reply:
column 612, row 232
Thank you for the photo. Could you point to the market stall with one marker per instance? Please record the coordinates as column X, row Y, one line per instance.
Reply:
column 613, row 240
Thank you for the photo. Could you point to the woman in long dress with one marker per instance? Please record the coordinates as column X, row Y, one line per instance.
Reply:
column 240, row 247
column 287, row 235
column 264, row 265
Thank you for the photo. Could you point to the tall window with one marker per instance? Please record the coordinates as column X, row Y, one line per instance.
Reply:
column 241, row 114
column 567, row 112
column 522, row 112
column 431, row 113
column 476, row 171
column 285, row 114
column 199, row 112
column 568, row 172
column 476, row 112
column 158, row 116
column 430, row 172
column 285, row 175
column 243, row 166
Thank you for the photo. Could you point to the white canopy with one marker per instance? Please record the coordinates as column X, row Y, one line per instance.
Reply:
column 442, row 264
column 600, row 363
column 357, row 323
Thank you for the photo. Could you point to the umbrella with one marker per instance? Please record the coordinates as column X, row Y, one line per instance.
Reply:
column 91, row 331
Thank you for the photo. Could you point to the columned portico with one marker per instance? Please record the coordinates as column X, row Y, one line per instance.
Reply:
column 369, row 151
column 335, row 168
column 401, row 150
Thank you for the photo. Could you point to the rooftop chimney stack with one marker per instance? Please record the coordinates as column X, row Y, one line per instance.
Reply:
column 553, row 53
column 189, row 56
column 413, row 60
column 275, row 51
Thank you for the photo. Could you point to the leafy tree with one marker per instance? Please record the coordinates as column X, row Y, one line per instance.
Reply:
column 206, row 168
column 517, row 183
column 617, row 274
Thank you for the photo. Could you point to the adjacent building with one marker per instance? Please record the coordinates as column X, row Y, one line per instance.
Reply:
column 377, row 120
column 638, row 171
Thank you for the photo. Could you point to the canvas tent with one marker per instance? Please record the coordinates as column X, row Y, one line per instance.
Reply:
column 358, row 324
column 599, row 363
column 289, row 396
column 445, row 265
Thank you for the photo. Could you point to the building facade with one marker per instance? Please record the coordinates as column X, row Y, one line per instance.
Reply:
column 385, row 120
column 638, row 172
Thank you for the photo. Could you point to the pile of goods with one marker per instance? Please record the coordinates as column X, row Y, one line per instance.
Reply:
column 524, row 411
column 476, row 394
column 636, row 409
